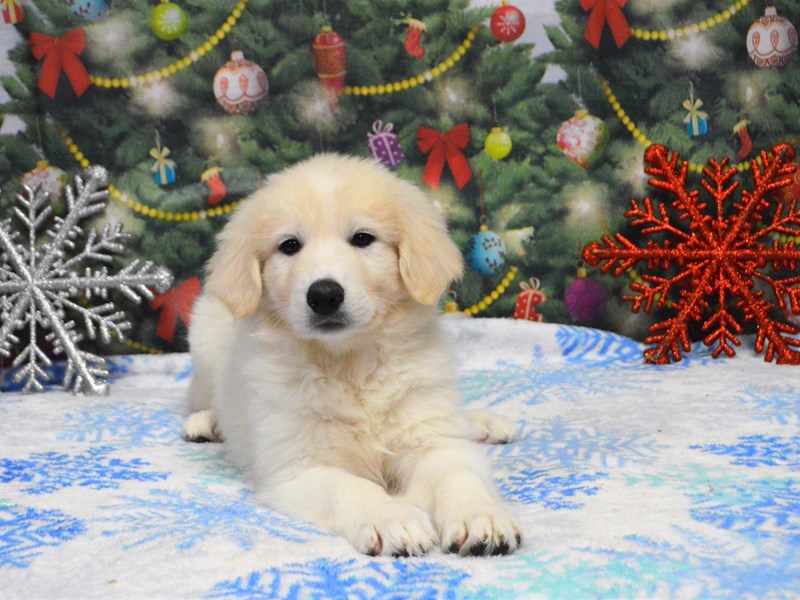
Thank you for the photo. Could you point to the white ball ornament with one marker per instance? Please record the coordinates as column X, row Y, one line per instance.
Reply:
column 771, row 40
column 240, row 85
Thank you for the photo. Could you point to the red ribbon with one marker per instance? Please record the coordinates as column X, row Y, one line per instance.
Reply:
column 606, row 11
column 61, row 54
column 175, row 303
column 445, row 147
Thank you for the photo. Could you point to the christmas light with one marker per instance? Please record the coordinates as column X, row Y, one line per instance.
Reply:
column 217, row 137
column 112, row 41
column 696, row 52
column 453, row 96
column 159, row 99
column 587, row 207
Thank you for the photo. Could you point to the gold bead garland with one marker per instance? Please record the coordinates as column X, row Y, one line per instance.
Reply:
column 156, row 75
column 673, row 34
column 412, row 82
column 494, row 295
column 639, row 135
column 144, row 210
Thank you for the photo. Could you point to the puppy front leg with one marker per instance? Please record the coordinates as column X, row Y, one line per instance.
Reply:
column 358, row 509
column 452, row 481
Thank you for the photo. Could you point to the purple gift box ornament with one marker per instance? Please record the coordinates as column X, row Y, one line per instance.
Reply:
column 384, row 145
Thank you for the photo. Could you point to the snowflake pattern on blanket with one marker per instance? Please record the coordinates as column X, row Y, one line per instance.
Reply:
column 628, row 479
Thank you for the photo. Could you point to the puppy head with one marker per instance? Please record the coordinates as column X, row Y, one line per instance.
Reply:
column 332, row 246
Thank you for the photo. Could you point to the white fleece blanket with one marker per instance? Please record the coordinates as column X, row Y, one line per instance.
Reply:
column 629, row 480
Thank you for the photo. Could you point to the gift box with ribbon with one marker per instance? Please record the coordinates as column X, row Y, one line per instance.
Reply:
column 528, row 298
column 384, row 145
column 12, row 11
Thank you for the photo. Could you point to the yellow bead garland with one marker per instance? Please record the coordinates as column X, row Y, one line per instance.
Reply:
column 639, row 135
column 673, row 34
column 412, row 82
column 170, row 70
column 144, row 210
column 494, row 295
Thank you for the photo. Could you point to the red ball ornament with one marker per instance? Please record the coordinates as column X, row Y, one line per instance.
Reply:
column 508, row 23
column 791, row 191
column 330, row 61
column 771, row 40
column 586, row 298
column 240, row 85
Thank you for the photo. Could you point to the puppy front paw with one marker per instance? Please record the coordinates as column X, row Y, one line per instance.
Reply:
column 395, row 529
column 492, row 428
column 201, row 427
column 480, row 531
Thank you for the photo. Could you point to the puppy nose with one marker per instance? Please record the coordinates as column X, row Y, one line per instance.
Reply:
column 325, row 296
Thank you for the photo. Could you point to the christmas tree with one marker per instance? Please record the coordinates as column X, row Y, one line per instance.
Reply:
column 682, row 77
column 151, row 109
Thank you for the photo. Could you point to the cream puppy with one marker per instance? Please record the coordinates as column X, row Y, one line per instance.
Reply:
column 320, row 361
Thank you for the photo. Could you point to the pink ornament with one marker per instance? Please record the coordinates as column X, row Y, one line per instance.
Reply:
column 586, row 299
column 582, row 138
column 240, row 85
column 771, row 40
column 508, row 23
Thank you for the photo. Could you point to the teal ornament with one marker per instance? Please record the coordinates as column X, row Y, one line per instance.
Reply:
column 91, row 10
column 485, row 252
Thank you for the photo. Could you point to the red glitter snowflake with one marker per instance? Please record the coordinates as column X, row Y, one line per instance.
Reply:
column 718, row 267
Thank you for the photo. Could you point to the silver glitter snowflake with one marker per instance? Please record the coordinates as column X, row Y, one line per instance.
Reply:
column 46, row 278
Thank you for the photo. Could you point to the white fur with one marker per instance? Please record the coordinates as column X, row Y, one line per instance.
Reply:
column 359, row 430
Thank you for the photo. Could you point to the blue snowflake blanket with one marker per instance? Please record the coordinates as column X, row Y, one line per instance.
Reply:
column 629, row 480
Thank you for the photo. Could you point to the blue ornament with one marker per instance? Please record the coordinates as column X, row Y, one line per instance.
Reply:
column 485, row 252
column 91, row 10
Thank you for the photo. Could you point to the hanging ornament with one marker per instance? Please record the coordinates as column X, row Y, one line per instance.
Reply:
column 507, row 23
column 696, row 119
column 212, row 179
column 240, row 85
column 164, row 168
column 582, row 138
column 485, row 251
column 451, row 309
column 384, row 145
column 497, row 144
column 790, row 192
column 529, row 297
column 412, row 43
column 771, row 40
column 91, row 10
column 330, row 61
column 745, row 143
column 48, row 180
column 586, row 298
column 168, row 21
column 12, row 11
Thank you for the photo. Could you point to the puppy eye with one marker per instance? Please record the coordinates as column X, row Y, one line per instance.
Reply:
column 290, row 246
column 362, row 239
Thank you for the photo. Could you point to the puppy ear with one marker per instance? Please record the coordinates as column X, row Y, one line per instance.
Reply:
column 429, row 259
column 234, row 271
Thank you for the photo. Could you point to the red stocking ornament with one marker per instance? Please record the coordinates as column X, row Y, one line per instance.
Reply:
column 414, row 37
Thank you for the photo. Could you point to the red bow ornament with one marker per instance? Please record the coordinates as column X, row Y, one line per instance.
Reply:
column 177, row 302
column 445, row 147
column 606, row 11
column 61, row 54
